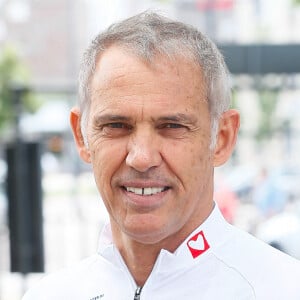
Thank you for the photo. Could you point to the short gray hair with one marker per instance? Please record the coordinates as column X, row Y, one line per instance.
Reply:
column 148, row 34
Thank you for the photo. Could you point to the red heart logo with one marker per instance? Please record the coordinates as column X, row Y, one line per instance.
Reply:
column 198, row 244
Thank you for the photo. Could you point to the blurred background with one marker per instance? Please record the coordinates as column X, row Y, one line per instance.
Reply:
column 50, row 212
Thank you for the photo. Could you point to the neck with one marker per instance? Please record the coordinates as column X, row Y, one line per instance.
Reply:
column 140, row 257
column 140, row 260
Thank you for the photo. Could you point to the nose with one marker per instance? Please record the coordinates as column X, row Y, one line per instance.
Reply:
column 143, row 151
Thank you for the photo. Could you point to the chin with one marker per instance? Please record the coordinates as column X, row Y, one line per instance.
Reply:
column 148, row 239
column 151, row 233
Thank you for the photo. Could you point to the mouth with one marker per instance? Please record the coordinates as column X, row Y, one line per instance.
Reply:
column 147, row 191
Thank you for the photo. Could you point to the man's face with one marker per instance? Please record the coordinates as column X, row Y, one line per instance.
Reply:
column 149, row 142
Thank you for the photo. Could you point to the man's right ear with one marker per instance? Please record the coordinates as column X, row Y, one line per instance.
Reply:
column 82, row 149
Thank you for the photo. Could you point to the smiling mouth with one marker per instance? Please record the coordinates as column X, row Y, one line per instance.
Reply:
column 148, row 191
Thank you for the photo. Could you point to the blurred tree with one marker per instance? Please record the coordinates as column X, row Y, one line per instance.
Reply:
column 296, row 2
column 13, row 72
column 267, row 101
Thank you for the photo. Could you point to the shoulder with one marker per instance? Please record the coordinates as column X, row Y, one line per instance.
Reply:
column 270, row 272
column 68, row 282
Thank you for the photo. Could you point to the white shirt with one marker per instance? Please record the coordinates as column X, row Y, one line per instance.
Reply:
column 217, row 261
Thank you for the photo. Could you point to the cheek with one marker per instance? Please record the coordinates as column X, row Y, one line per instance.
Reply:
column 199, row 152
column 188, row 160
column 201, row 163
column 106, row 159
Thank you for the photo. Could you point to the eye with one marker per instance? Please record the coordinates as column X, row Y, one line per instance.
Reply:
column 116, row 129
column 173, row 130
column 173, row 126
column 115, row 125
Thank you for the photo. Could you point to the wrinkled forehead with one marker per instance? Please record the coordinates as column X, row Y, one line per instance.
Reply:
column 123, row 83
column 116, row 60
column 118, row 66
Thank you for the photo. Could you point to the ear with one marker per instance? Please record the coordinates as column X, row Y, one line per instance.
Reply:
column 227, row 134
column 75, row 117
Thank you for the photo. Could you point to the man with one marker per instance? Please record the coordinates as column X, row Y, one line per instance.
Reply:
column 154, row 121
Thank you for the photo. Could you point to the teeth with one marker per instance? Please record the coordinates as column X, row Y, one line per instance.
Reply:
column 145, row 191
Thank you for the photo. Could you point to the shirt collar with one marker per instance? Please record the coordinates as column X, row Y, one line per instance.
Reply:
column 212, row 233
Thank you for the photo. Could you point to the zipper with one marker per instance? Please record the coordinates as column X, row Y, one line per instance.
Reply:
column 137, row 294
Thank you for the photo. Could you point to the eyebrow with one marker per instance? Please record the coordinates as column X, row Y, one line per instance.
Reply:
column 178, row 117
column 109, row 118
column 100, row 119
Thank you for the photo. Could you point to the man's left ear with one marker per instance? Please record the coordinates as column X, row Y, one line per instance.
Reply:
column 229, row 124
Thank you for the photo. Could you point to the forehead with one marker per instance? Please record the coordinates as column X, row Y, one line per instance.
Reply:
column 120, row 74
column 115, row 63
